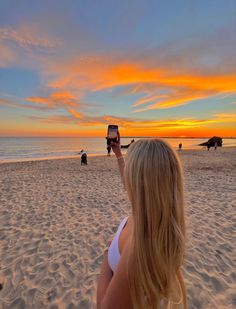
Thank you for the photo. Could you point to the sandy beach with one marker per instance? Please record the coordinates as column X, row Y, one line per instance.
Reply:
column 56, row 217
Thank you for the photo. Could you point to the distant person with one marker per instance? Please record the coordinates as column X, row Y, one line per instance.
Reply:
column 215, row 145
column 180, row 146
column 208, row 146
column 108, row 150
column 127, row 146
column 84, row 159
column 141, row 267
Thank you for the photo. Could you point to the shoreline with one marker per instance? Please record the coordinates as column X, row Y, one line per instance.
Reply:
column 7, row 161
column 48, row 158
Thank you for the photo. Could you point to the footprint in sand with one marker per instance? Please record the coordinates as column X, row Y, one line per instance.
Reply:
column 84, row 304
column 54, row 267
column 18, row 303
column 51, row 295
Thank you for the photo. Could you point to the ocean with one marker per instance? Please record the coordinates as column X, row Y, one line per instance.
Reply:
column 33, row 148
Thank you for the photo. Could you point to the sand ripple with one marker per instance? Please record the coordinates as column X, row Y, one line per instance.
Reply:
column 56, row 218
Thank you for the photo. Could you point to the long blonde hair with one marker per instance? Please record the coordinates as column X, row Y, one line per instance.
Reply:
column 154, row 182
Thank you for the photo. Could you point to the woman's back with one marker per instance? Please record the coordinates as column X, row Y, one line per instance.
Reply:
column 152, row 249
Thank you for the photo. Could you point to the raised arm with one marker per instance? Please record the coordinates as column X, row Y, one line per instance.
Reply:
column 120, row 159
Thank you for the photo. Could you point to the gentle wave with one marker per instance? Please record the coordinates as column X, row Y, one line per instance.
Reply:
column 20, row 149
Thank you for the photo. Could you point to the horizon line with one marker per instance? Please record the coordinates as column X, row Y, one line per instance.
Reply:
column 130, row 136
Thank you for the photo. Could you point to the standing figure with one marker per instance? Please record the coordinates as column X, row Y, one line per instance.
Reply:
column 215, row 145
column 108, row 150
column 180, row 146
column 84, row 160
column 208, row 146
column 141, row 267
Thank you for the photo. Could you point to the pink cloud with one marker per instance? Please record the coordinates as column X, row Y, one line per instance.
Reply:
column 26, row 37
column 7, row 57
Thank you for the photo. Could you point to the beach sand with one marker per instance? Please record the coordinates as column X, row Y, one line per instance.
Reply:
column 57, row 216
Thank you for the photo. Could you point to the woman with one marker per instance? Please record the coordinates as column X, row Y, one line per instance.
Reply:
column 142, row 266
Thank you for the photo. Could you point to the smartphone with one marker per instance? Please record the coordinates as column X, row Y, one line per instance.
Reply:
column 112, row 134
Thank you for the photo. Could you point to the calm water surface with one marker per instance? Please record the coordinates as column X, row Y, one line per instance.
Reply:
column 27, row 148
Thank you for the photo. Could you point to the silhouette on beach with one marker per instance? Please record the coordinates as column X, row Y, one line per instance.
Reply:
column 127, row 146
column 84, row 158
column 108, row 150
column 215, row 142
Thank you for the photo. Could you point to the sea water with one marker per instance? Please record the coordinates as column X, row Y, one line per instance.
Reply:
column 32, row 148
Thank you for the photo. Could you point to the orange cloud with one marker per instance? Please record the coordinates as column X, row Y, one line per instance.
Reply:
column 196, row 87
column 57, row 99
column 229, row 119
column 162, row 79
column 149, row 99
column 135, row 123
column 75, row 113
column 59, row 125
column 101, row 73
column 160, row 87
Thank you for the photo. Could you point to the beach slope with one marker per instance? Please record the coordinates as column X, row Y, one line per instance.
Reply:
column 57, row 216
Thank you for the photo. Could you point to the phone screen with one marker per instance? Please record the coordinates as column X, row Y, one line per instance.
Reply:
column 112, row 133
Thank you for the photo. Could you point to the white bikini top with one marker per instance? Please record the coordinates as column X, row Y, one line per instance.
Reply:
column 113, row 251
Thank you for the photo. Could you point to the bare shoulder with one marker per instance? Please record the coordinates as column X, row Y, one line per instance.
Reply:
column 130, row 219
column 129, row 224
column 125, row 234
column 118, row 292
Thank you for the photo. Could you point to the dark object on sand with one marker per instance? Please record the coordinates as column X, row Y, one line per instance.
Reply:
column 84, row 159
column 108, row 150
column 127, row 146
column 1, row 286
column 212, row 142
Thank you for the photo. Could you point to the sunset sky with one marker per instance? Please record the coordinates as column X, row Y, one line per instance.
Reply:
column 155, row 68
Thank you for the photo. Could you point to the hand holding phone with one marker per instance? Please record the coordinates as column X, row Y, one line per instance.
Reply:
column 112, row 134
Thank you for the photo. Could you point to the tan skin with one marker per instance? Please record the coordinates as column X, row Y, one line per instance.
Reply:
column 113, row 288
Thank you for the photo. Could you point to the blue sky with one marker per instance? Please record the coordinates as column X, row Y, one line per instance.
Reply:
column 70, row 68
